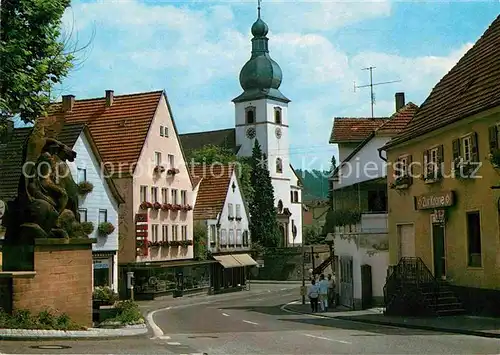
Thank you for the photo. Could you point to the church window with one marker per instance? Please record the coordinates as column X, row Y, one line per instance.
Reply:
column 277, row 115
column 279, row 165
column 250, row 115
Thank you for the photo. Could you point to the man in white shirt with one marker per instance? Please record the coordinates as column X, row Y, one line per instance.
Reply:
column 323, row 293
column 313, row 294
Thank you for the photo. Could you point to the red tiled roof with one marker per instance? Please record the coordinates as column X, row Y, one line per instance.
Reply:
column 119, row 131
column 399, row 120
column 351, row 129
column 212, row 191
column 470, row 87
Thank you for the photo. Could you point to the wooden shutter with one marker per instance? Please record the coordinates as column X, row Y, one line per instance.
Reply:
column 474, row 148
column 493, row 134
column 440, row 159
column 410, row 170
column 456, row 149
column 426, row 162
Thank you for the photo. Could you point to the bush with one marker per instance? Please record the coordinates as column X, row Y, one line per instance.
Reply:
column 105, row 294
column 105, row 229
column 23, row 319
column 128, row 313
column 87, row 227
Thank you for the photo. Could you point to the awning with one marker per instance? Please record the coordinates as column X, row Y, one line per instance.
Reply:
column 245, row 259
column 227, row 261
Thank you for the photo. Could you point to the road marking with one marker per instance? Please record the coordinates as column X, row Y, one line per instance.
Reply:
column 287, row 294
column 173, row 343
column 283, row 289
column 247, row 321
column 324, row 338
column 158, row 333
column 225, row 314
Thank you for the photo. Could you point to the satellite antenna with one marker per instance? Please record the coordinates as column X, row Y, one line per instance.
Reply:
column 371, row 85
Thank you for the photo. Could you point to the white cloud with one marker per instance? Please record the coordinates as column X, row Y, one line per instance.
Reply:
column 194, row 54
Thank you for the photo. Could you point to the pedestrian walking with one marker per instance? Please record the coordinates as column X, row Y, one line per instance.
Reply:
column 331, row 291
column 323, row 293
column 313, row 294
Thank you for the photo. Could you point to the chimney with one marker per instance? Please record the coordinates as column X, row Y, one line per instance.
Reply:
column 109, row 97
column 68, row 101
column 400, row 100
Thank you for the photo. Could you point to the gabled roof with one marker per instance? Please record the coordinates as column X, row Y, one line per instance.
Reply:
column 398, row 121
column 470, row 87
column 11, row 158
column 353, row 130
column 119, row 131
column 213, row 190
column 391, row 127
column 222, row 138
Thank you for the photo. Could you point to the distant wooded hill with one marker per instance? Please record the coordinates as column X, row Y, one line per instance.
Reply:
column 315, row 184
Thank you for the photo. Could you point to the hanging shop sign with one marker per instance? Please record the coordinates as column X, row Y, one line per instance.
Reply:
column 435, row 201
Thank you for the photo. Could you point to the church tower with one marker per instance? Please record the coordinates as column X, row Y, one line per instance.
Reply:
column 261, row 113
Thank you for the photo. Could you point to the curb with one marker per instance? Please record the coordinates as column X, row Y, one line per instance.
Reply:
column 265, row 282
column 92, row 333
column 409, row 326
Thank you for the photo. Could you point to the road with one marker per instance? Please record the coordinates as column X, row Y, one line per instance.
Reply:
column 258, row 324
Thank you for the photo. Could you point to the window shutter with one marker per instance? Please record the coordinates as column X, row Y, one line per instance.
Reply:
column 493, row 134
column 456, row 150
column 440, row 153
column 409, row 169
column 397, row 168
column 426, row 161
column 474, row 150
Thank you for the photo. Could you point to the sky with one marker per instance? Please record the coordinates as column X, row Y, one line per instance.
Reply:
column 194, row 50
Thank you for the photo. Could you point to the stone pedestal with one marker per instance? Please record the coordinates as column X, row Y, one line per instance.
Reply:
column 60, row 280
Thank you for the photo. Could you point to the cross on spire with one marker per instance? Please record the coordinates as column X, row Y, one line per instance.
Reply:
column 258, row 8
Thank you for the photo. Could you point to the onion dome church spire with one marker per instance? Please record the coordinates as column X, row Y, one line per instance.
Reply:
column 261, row 76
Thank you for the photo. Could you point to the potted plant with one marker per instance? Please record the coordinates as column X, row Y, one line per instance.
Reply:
column 145, row 205
column 105, row 229
column 494, row 158
column 176, row 207
column 433, row 176
column 155, row 244
column 464, row 170
column 165, row 243
column 172, row 171
column 175, row 243
column 87, row 227
column 85, row 188
column 103, row 296
column 157, row 205
column 239, row 218
column 159, row 169
column 166, row 206
column 401, row 182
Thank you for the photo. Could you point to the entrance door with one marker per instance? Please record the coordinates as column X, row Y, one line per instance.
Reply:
column 346, row 281
column 406, row 235
column 438, row 250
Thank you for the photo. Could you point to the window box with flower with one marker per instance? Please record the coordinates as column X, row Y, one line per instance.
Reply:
column 186, row 208
column 85, row 187
column 494, row 158
column 165, row 243
column 159, row 169
column 464, row 169
column 175, row 243
column 87, row 227
column 146, row 205
column 155, row 245
column 105, row 229
column 172, row 171
column 157, row 206
column 176, row 207
column 401, row 182
column 186, row 243
column 433, row 175
column 166, row 206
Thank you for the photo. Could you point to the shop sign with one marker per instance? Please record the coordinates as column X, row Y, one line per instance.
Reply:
column 101, row 264
column 435, row 201
column 439, row 216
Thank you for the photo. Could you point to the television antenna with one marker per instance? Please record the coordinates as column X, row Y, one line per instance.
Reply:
column 371, row 85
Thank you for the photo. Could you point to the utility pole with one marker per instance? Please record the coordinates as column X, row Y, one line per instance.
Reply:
column 371, row 85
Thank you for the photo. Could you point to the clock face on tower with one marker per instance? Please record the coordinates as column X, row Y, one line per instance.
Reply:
column 251, row 133
column 278, row 132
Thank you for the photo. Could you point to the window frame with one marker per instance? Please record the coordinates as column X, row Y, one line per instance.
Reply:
column 223, row 238
column 162, row 134
column 278, row 115
column 463, row 139
column 154, row 194
column 183, row 197
column 279, row 166
column 253, row 110
column 158, row 161
column 143, row 192
column 171, row 161
column 78, row 175
column 173, row 196
column 102, row 210
column 164, row 195
column 239, row 238
column 164, row 232
column 229, row 234
column 83, row 210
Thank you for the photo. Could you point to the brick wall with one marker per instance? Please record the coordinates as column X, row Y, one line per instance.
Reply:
column 63, row 282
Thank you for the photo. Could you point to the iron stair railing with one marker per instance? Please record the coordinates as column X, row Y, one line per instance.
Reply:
column 321, row 267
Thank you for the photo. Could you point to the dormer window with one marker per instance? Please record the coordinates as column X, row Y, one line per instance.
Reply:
column 277, row 115
column 250, row 115
column 279, row 165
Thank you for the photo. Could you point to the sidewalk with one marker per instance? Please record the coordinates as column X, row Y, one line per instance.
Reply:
column 469, row 325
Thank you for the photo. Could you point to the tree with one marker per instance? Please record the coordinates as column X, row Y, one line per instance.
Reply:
column 211, row 154
column 330, row 183
column 200, row 241
column 263, row 224
column 31, row 55
column 313, row 234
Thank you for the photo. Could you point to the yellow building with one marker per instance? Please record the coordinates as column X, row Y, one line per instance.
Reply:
column 443, row 207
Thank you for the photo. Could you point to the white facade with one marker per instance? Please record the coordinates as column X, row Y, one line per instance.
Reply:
column 232, row 230
column 98, row 206
column 365, row 165
column 273, row 137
